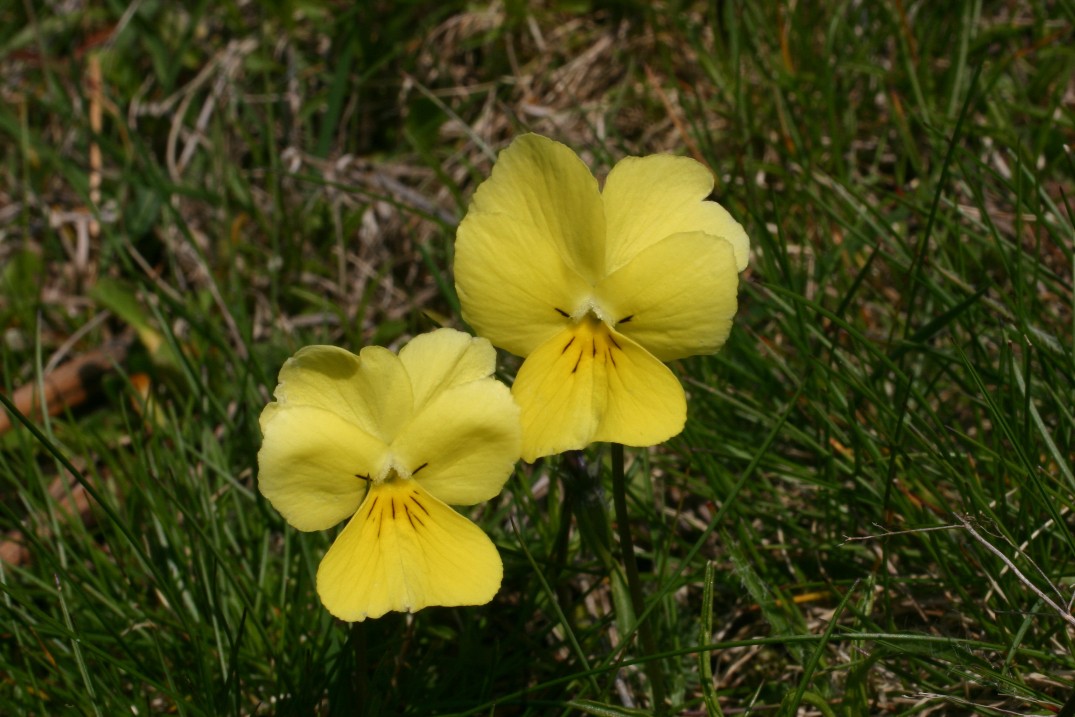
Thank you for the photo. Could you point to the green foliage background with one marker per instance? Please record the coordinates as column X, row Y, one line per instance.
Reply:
column 869, row 511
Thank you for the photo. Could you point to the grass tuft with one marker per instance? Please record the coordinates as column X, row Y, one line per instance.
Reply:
column 870, row 510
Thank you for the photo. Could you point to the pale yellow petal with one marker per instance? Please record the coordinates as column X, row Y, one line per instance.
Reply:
column 464, row 444
column 677, row 297
column 590, row 384
column 444, row 358
column 309, row 464
column 513, row 286
column 646, row 403
column 649, row 198
column 405, row 550
column 371, row 390
column 559, row 403
column 383, row 390
column 318, row 376
column 543, row 184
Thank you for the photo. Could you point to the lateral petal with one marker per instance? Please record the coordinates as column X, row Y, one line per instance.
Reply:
column 444, row 358
column 649, row 198
column 677, row 297
column 405, row 550
column 309, row 464
column 589, row 384
column 544, row 184
column 464, row 444
column 513, row 284
column 371, row 390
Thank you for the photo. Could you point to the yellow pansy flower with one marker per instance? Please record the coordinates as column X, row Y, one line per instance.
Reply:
column 389, row 442
column 597, row 287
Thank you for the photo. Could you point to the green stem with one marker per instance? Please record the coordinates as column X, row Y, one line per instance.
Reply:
column 560, row 547
column 634, row 583
column 361, row 681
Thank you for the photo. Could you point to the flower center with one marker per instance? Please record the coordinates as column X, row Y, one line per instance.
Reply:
column 394, row 501
column 590, row 310
column 393, row 474
column 590, row 340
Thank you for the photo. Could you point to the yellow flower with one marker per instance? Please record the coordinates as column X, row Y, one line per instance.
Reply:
column 597, row 287
column 389, row 441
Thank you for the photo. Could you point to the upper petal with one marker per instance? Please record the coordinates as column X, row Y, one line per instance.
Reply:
column 589, row 384
column 319, row 376
column 444, row 358
column 464, row 444
column 513, row 285
column 544, row 184
column 371, row 390
column 405, row 550
column 677, row 297
column 649, row 198
column 309, row 464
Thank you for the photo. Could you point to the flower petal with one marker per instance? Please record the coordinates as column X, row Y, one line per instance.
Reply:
column 309, row 462
column 318, row 376
column 444, row 358
column 677, row 297
column 405, row 550
column 589, row 384
column 649, row 198
column 543, row 183
column 513, row 285
column 646, row 403
column 371, row 390
column 465, row 442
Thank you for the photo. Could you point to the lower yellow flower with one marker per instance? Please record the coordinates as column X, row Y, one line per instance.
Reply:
column 390, row 442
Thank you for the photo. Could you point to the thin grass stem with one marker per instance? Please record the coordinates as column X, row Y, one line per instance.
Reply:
column 654, row 671
column 361, row 680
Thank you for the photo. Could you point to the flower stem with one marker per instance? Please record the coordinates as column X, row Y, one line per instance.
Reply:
column 634, row 585
column 361, row 676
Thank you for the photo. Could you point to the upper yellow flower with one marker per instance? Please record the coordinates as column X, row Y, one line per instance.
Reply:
column 596, row 288
column 388, row 441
